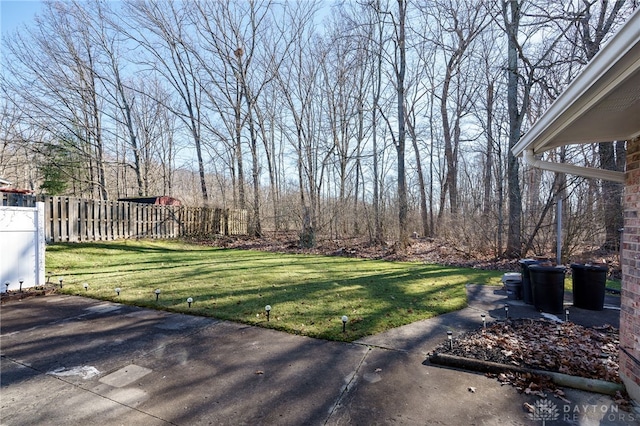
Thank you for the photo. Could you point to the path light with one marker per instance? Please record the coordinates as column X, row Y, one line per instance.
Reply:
column 60, row 280
column 189, row 301
column 49, row 278
column 118, row 291
column 450, row 337
column 157, row 292
column 344, row 323
column 484, row 320
column 22, row 280
column 7, row 283
column 267, row 309
column 566, row 315
column 506, row 311
column 86, row 286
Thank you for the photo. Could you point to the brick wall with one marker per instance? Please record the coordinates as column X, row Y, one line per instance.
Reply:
column 630, row 312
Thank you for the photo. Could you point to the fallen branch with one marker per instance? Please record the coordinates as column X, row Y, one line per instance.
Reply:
column 575, row 382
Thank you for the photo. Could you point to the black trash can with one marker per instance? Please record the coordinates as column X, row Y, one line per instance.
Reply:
column 527, row 293
column 547, row 283
column 589, row 285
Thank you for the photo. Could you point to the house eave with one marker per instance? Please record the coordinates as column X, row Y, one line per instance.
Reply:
column 602, row 104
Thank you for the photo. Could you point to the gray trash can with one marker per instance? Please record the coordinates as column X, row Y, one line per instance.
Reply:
column 513, row 284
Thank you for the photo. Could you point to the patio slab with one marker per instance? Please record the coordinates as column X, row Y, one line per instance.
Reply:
column 69, row 360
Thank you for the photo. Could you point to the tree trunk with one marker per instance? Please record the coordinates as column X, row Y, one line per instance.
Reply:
column 512, row 19
column 488, row 164
column 403, row 238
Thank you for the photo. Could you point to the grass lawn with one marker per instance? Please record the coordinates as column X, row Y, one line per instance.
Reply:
column 308, row 294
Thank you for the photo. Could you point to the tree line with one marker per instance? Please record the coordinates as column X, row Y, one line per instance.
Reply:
column 376, row 118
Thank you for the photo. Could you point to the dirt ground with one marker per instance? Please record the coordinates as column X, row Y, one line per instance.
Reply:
column 427, row 250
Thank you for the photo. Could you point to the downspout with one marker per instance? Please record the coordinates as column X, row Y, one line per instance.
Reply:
column 589, row 172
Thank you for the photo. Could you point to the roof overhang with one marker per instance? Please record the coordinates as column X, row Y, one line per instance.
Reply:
column 601, row 104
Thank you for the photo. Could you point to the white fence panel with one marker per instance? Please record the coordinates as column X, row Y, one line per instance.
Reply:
column 22, row 246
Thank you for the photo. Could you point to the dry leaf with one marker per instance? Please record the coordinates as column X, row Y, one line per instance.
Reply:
column 542, row 344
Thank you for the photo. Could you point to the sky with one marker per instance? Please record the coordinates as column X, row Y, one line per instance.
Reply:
column 14, row 13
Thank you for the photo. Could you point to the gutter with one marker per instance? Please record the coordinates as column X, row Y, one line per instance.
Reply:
column 589, row 172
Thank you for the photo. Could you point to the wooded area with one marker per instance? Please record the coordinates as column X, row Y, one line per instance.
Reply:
column 374, row 118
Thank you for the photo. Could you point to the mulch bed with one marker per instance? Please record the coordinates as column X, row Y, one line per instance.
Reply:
column 15, row 295
column 541, row 344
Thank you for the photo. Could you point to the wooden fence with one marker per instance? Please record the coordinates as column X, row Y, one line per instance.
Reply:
column 75, row 219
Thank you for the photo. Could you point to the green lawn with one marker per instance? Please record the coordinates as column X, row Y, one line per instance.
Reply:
column 308, row 294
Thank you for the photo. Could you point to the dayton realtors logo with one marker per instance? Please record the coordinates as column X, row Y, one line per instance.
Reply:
column 601, row 412
column 544, row 410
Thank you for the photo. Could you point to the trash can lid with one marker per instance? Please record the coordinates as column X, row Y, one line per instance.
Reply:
column 541, row 268
column 512, row 277
column 590, row 266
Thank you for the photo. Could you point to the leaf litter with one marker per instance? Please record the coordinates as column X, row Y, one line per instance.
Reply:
column 542, row 344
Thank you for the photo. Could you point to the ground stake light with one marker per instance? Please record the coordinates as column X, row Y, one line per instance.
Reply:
column 189, row 301
column 86, row 286
column 21, row 281
column 484, row 320
column 118, row 291
column 157, row 292
column 506, row 311
column 450, row 337
column 7, row 283
column 267, row 309
column 566, row 315
column 344, row 323
column 60, row 280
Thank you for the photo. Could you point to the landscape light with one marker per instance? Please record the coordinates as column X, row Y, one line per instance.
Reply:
column 7, row 283
column 267, row 309
column 86, row 286
column 118, row 291
column 22, row 280
column 344, row 323
column 506, row 311
column 157, row 292
column 189, row 301
column 566, row 314
column 450, row 337
column 484, row 320
column 60, row 280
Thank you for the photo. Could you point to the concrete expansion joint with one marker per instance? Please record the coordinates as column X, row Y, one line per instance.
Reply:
column 371, row 346
column 21, row 363
column 351, row 381
column 129, row 406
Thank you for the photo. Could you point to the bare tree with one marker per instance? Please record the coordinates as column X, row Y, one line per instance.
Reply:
column 58, row 90
column 160, row 28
